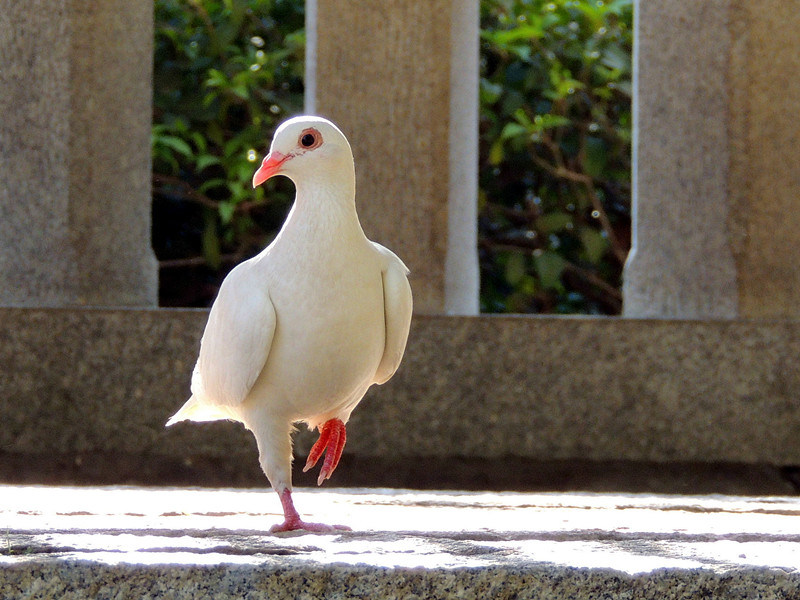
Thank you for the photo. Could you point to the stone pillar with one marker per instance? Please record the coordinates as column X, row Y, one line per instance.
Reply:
column 401, row 79
column 75, row 100
column 716, row 147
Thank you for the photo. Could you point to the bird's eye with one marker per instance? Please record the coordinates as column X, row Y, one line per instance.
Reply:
column 307, row 140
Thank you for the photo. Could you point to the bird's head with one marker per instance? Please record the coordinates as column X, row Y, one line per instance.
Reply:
column 305, row 145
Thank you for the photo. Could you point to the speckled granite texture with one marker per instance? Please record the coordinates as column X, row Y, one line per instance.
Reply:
column 153, row 543
column 79, row 581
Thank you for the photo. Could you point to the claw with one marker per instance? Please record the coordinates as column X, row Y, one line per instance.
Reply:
column 332, row 438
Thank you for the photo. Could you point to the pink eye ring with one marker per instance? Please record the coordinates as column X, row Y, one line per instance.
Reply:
column 309, row 139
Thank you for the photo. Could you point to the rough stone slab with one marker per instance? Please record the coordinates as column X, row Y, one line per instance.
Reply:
column 178, row 543
column 76, row 97
column 99, row 382
column 714, row 191
column 681, row 263
column 764, row 131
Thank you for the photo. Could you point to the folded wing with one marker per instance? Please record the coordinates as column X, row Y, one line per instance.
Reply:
column 236, row 342
column 397, row 306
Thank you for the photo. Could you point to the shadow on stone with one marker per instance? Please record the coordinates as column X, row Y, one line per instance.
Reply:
column 423, row 473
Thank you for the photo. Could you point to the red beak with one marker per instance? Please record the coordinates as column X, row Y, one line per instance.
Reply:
column 270, row 166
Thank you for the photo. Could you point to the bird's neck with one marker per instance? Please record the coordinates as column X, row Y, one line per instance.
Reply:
column 325, row 208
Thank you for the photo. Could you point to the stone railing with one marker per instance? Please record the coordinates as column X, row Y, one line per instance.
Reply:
column 715, row 239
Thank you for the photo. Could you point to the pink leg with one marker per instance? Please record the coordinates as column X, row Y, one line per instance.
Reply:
column 293, row 522
column 332, row 437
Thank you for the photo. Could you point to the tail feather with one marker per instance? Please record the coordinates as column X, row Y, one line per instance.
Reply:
column 193, row 410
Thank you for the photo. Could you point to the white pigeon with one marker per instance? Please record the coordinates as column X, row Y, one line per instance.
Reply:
column 299, row 332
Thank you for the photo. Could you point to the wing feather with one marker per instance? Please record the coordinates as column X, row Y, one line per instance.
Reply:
column 236, row 341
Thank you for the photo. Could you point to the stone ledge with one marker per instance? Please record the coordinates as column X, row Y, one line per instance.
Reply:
column 189, row 543
column 543, row 388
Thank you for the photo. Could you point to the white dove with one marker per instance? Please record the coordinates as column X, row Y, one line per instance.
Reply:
column 299, row 332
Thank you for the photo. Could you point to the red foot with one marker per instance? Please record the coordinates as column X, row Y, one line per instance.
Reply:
column 332, row 435
column 293, row 522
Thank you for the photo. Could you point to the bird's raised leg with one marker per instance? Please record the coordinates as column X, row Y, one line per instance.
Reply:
column 332, row 437
column 275, row 455
column 293, row 522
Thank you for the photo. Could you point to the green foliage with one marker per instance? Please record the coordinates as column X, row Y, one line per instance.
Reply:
column 554, row 156
column 226, row 73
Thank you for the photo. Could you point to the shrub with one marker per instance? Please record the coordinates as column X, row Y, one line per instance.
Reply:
column 555, row 129
column 226, row 73
column 554, row 155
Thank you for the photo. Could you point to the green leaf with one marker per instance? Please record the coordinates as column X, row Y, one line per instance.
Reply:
column 549, row 267
column 593, row 12
column 594, row 243
column 199, row 141
column 548, row 121
column 243, row 171
column 496, row 152
column 226, row 210
column 217, row 182
column 513, row 130
column 241, row 91
column 217, row 78
column 515, row 268
column 233, row 146
column 553, row 222
column 237, row 191
column 522, row 118
column 503, row 38
column 489, row 92
column 176, row 144
column 596, row 157
column 616, row 58
column 205, row 161
column 527, row 285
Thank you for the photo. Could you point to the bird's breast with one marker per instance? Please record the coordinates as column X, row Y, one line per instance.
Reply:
column 329, row 336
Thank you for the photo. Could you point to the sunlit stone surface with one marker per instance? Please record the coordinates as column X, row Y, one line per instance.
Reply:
column 76, row 538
